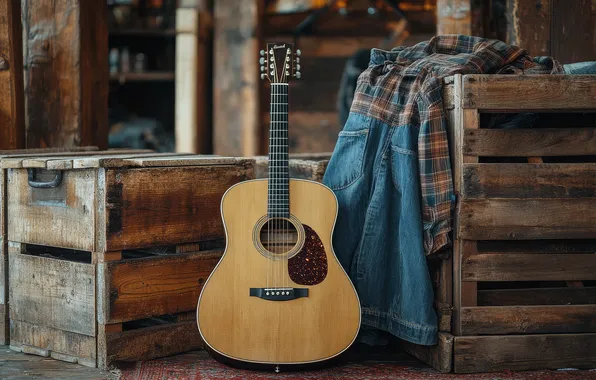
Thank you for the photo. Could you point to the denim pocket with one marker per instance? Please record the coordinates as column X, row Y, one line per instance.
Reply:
column 347, row 164
column 403, row 167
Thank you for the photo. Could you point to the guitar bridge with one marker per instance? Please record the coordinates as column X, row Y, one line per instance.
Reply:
column 279, row 294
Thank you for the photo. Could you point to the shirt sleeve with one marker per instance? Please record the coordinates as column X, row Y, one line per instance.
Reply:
column 436, row 182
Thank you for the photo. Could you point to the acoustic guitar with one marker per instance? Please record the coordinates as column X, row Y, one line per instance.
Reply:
column 278, row 296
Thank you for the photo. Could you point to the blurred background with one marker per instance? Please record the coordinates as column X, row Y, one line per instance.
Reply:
column 183, row 75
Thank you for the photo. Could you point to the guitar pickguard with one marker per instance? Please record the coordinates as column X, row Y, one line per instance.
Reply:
column 309, row 265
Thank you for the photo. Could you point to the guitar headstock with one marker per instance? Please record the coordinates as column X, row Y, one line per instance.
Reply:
column 280, row 63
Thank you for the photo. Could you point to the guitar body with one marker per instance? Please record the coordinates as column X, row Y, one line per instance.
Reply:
column 317, row 319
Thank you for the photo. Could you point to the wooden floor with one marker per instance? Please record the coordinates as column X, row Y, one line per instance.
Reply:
column 17, row 366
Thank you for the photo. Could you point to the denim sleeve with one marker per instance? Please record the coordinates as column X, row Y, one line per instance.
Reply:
column 436, row 183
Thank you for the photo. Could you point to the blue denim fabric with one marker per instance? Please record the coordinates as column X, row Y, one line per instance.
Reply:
column 580, row 68
column 374, row 170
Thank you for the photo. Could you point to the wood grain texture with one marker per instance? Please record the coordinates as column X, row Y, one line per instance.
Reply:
column 529, row 92
column 529, row 180
column 538, row 246
column 537, row 296
column 12, row 133
column 438, row 356
column 147, row 287
column 4, row 325
column 59, row 294
column 93, row 73
column 236, row 82
column 322, row 324
column 12, row 159
column 161, row 206
column 68, row 209
column 524, row 352
column 501, row 320
column 48, row 341
column 524, row 267
column 148, row 343
column 573, row 26
column 518, row 219
column 158, row 160
column 530, row 142
column 529, row 25
column 66, row 73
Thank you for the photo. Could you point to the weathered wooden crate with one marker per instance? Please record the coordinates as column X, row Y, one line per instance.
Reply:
column 524, row 262
column 107, row 204
column 310, row 166
column 139, row 306
column 4, row 327
column 83, row 302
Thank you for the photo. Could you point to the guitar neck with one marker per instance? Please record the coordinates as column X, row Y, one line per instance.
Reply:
column 278, row 204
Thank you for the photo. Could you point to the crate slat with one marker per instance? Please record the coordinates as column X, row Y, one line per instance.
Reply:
column 537, row 296
column 524, row 267
column 159, row 160
column 529, row 142
column 68, row 163
column 148, row 343
column 54, row 293
column 509, row 180
column 141, row 288
column 83, row 347
column 59, row 217
column 160, row 206
column 501, row 320
column 515, row 219
column 529, row 92
column 438, row 356
column 524, row 352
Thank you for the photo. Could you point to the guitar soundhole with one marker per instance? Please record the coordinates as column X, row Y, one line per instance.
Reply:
column 278, row 236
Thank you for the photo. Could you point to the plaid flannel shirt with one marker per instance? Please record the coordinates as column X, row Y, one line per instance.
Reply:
column 416, row 73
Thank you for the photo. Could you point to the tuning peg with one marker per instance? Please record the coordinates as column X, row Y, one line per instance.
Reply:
column 262, row 60
column 262, row 68
column 262, row 53
column 298, row 52
column 298, row 67
column 262, row 76
column 297, row 60
column 298, row 75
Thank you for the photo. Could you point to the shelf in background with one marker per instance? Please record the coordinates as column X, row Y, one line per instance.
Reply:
column 149, row 76
column 142, row 32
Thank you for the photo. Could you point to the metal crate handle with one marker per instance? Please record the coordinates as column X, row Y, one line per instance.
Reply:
column 44, row 185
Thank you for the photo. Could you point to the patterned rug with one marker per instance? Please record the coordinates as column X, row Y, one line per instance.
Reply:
column 199, row 366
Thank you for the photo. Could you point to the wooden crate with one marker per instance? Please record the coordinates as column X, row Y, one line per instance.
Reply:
column 4, row 327
column 111, row 203
column 104, row 207
column 138, row 307
column 310, row 166
column 524, row 294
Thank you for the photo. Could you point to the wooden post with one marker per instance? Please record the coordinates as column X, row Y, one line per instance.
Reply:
column 529, row 25
column 562, row 29
column 460, row 17
column 66, row 73
column 237, row 82
column 12, row 126
column 193, row 78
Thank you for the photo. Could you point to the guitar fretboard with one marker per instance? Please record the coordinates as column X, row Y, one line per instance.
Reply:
column 278, row 203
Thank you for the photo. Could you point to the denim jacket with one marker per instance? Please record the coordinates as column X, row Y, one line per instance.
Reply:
column 390, row 171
